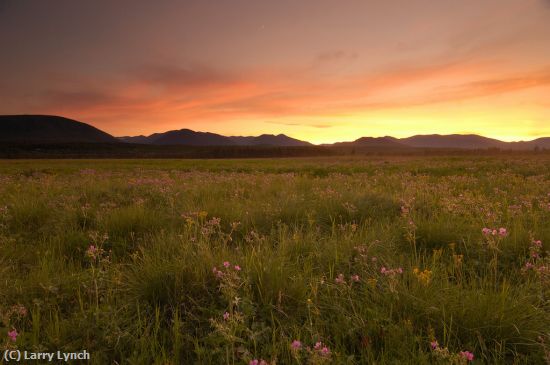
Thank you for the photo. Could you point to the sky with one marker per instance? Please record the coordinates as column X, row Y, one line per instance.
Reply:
column 321, row 71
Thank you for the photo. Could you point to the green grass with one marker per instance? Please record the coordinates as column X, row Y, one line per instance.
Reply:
column 149, row 295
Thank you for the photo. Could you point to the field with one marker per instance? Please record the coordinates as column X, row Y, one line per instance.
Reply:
column 351, row 260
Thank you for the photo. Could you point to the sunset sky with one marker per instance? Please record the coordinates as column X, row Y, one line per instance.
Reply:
column 321, row 71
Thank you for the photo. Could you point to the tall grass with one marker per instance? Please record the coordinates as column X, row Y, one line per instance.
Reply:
column 375, row 259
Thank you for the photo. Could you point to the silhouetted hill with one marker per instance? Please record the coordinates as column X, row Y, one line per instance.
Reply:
column 377, row 142
column 49, row 129
column 543, row 142
column 187, row 137
column 467, row 141
column 269, row 140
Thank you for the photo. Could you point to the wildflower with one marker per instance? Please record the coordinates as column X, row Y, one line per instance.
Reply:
column 467, row 355
column 434, row 344
column 502, row 232
column 340, row 279
column 318, row 345
column 263, row 362
column 237, row 268
column 486, row 231
column 325, row 351
column 383, row 270
column 226, row 264
column 13, row 335
column 226, row 316
column 217, row 272
column 296, row 345
column 91, row 252
column 355, row 278
column 424, row 277
column 254, row 362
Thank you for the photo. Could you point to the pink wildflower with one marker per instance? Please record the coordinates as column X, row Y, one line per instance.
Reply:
column 383, row 270
column 340, row 279
column 486, row 231
column 434, row 344
column 263, row 362
column 237, row 268
column 355, row 278
column 92, row 251
column 467, row 355
column 226, row 264
column 502, row 232
column 296, row 345
column 254, row 362
column 325, row 351
column 400, row 270
column 226, row 316
column 13, row 335
column 318, row 345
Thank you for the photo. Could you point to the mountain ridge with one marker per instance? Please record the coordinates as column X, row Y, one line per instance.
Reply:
column 29, row 128
column 57, row 129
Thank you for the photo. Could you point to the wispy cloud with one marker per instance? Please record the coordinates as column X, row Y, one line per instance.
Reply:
column 204, row 93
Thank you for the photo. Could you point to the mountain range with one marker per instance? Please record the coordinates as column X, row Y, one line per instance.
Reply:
column 54, row 129
column 191, row 138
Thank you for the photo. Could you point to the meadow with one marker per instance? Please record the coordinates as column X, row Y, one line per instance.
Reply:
column 348, row 260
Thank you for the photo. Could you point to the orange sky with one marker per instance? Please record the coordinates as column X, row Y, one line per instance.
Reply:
column 321, row 71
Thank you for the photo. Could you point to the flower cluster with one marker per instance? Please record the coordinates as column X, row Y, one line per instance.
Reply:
column 391, row 272
column 227, row 265
column 13, row 335
column 537, row 263
column 94, row 252
column 340, row 279
column 320, row 351
column 467, row 355
column 258, row 362
column 444, row 354
column 425, row 277
column 495, row 232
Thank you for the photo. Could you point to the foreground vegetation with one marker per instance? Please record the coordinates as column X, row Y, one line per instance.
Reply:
column 350, row 260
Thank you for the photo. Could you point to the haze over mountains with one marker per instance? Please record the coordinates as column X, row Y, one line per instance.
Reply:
column 53, row 129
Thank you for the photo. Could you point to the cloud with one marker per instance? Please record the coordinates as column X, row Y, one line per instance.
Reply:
column 202, row 93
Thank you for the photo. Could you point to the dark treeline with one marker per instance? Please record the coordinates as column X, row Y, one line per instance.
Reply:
column 128, row 150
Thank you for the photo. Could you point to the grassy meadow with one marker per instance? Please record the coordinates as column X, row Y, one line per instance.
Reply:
column 352, row 260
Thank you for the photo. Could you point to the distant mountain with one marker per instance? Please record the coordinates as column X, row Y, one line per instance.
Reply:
column 188, row 137
column 543, row 142
column 378, row 142
column 44, row 129
column 49, row 129
column 464, row 141
column 269, row 140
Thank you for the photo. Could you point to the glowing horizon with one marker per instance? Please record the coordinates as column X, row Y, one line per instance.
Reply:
column 318, row 71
